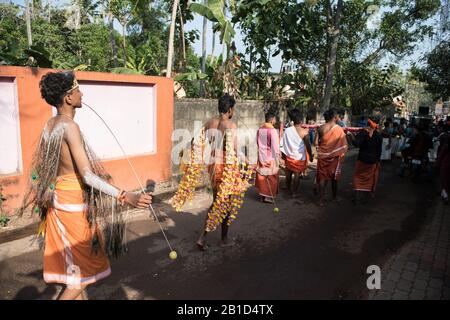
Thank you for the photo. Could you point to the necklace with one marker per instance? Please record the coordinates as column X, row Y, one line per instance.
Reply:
column 65, row 115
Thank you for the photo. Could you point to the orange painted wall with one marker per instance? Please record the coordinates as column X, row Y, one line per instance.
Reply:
column 34, row 112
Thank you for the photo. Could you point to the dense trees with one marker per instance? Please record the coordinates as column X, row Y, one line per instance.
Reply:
column 334, row 52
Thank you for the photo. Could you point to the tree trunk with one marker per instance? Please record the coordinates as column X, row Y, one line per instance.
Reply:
column 171, row 34
column 332, row 57
column 49, row 11
column 28, row 18
column 205, row 30
column 124, row 44
column 112, row 39
column 213, row 46
column 183, row 42
column 224, row 45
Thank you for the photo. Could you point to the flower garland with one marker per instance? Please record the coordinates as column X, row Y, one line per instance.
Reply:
column 231, row 191
column 192, row 175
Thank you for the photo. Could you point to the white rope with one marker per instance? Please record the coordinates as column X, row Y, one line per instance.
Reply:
column 134, row 172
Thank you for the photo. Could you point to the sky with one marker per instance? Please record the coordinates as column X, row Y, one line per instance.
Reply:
column 276, row 62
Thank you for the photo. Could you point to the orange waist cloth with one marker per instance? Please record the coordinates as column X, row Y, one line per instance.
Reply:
column 333, row 144
column 267, row 178
column 365, row 177
column 328, row 169
column 216, row 173
column 267, row 168
column 68, row 255
column 267, row 185
column 297, row 166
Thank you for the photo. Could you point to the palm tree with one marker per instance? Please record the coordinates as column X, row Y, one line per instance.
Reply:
column 171, row 36
column 123, row 12
column 204, row 34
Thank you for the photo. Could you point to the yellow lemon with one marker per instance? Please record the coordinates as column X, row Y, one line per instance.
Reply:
column 173, row 255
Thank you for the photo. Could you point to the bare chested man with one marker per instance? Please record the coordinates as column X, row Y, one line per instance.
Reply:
column 66, row 175
column 216, row 129
column 331, row 144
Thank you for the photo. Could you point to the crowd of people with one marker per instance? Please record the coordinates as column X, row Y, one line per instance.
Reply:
column 329, row 142
column 421, row 145
column 74, row 198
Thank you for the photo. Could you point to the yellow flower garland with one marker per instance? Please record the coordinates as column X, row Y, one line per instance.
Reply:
column 230, row 196
column 192, row 175
column 231, row 191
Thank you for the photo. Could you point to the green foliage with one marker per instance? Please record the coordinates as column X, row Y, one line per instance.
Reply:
column 191, row 75
column 12, row 27
column 415, row 94
column 124, row 70
column 370, row 87
column 4, row 219
column 89, row 47
column 300, row 33
column 51, row 37
column 437, row 71
column 35, row 56
column 146, row 58
column 213, row 11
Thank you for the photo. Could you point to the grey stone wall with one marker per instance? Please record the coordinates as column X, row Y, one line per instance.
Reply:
column 191, row 114
column 187, row 111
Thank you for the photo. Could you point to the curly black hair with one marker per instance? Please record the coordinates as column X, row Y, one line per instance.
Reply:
column 226, row 102
column 295, row 115
column 54, row 86
column 330, row 114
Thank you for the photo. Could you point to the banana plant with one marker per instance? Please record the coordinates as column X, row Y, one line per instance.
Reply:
column 35, row 56
column 191, row 75
column 213, row 10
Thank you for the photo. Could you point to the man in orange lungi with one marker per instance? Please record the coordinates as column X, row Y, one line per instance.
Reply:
column 66, row 191
column 296, row 149
column 331, row 144
column 268, row 159
column 369, row 141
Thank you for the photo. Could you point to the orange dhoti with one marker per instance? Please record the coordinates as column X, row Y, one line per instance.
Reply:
column 215, row 172
column 365, row 177
column 296, row 166
column 331, row 151
column 68, row 255
column 267, row 180
column 328, row 169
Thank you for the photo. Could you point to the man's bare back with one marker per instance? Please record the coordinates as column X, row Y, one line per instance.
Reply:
column 66, row 163
column 322, row 130
column 222, row 124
